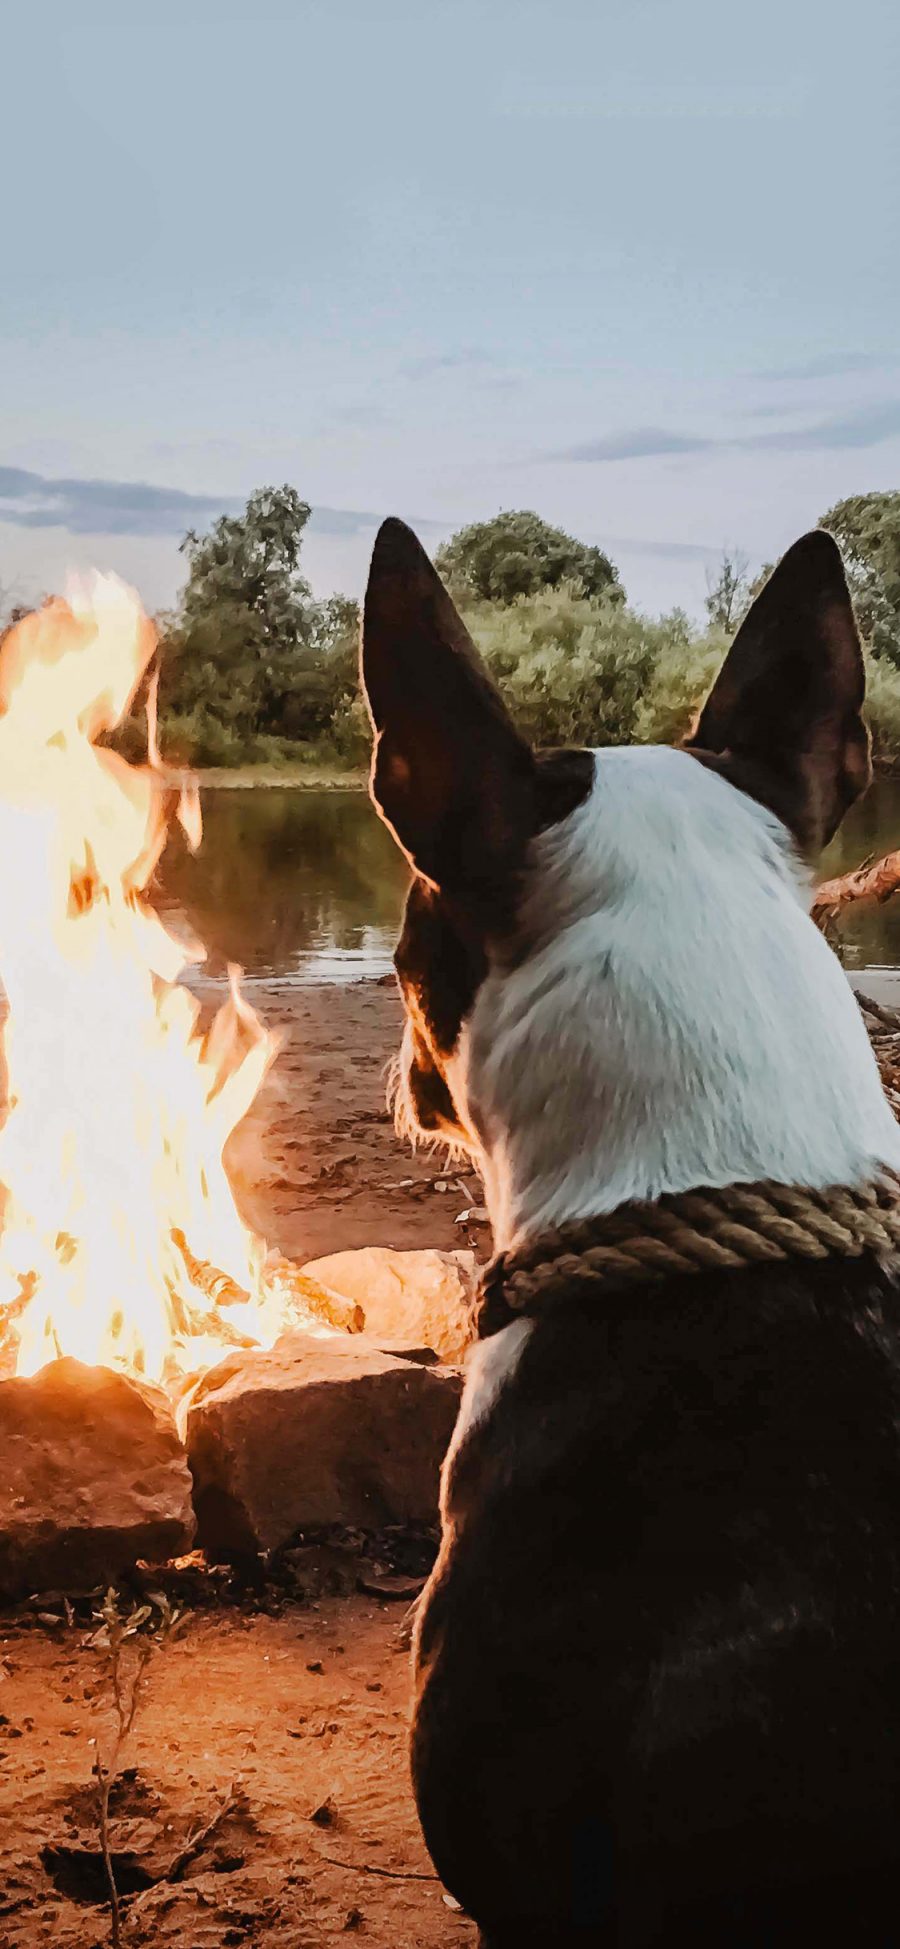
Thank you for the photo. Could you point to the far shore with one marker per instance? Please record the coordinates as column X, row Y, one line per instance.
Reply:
column 312, row 777
column 241, row 778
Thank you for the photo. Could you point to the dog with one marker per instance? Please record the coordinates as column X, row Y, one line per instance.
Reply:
column 657, row 1667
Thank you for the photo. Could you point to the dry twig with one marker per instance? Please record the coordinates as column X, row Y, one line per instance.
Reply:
column 369, row 1868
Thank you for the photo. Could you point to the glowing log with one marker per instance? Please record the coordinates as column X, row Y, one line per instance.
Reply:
column 303, row 1299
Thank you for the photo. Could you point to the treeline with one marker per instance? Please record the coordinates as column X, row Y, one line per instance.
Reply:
column 254, row 670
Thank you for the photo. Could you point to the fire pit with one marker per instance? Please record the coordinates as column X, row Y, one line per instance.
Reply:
column 142, row 1324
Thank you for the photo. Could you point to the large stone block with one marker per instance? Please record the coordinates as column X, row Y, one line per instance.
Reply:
column 322, row 1429
column 93, row 1477
column 409, row 1299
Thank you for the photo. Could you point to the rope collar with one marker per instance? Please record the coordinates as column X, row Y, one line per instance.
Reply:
column 719, row 1230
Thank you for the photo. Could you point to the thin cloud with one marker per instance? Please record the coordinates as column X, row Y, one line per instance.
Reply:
column 868, row 427
column 829, row 365
column 103, row 507
column 432, row 363
column 663, row 551
column 115, row 507
column 635, row 443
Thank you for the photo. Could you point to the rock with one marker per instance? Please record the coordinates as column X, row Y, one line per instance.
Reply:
column 320, row 1430
column 410, row 1299
column 94, row 1477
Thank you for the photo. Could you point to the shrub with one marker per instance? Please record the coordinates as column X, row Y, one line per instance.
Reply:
column 574, row 671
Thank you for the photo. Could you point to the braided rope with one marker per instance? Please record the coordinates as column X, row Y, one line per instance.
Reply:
column 694, row 1231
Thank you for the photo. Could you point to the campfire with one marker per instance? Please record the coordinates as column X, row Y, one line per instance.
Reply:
column 121, row 1240
column 164, row 1378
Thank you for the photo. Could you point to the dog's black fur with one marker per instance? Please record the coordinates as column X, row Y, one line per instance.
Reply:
column 658, row 1666
column 658, row 1688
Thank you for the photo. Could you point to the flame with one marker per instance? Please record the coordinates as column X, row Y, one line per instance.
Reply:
column 114, row 1200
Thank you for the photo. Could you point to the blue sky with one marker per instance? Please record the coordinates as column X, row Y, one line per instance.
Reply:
column 634, row 263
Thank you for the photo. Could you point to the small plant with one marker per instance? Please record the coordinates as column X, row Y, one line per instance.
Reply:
column 130, row 1641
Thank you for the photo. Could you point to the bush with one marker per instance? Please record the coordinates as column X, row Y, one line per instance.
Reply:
column 575, row 671
column 883, row 712
column 680, row 680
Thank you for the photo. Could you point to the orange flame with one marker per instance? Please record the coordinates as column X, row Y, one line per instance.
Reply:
column 119, row 1106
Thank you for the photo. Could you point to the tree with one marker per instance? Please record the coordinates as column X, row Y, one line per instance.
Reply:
column 518, row 554
column 250, row 655
column 867, row 530
column 728, row 592
column 246, row 614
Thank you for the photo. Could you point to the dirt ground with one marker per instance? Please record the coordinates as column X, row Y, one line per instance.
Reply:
column 301, row 1714
column 292, row 1698
column 317, row 1165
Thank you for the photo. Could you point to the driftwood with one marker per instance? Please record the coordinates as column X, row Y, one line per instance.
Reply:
column 876, row 881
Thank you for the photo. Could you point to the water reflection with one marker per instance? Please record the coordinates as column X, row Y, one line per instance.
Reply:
column 302, row 886
column 292, row 884
column 869, row 934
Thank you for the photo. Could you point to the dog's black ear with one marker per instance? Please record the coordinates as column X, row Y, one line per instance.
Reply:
column 451, row 775
column 784, row 718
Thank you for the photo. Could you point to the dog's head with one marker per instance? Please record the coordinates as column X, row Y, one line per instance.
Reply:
column 604, row 990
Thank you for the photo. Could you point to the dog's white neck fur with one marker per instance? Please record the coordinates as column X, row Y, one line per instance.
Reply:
column 673, row 1018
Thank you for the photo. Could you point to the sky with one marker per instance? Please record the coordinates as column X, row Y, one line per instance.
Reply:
column 634, row 264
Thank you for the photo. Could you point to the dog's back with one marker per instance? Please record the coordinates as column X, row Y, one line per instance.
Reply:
column 659, row 1657
column 656, row 1670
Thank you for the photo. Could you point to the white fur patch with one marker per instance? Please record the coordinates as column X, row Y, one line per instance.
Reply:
column 673, row 1017
column 489, row 1366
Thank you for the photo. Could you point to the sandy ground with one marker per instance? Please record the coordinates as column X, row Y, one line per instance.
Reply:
column 317, row 1165
column 296, row 1694
column 301, row 1714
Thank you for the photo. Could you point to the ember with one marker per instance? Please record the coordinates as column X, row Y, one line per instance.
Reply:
column 121, row 1240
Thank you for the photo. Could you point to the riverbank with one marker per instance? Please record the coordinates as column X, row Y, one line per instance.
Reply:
column 313, row 778
column 331, row 778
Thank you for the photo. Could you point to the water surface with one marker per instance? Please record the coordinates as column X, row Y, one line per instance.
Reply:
column 869, row 934
column 307, row 886
column 294, row 885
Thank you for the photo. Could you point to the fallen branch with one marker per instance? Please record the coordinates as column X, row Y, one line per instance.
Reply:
column 369, row 1868
column 876, row 882
column 234, row 1800
column 885, row 1021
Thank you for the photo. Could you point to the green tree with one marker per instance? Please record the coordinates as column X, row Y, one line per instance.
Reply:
column 867, row 530
column 518, row 554
column 246, row 624
column 575, row 671
column 250, row 657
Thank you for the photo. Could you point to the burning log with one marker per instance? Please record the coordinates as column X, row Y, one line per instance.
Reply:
column 218, row 1287
column 302, row 1297
column 299, row 1298
column 877, row 881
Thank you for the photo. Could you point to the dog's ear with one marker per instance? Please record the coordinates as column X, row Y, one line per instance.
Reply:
column 451, row 775
column 784, row 718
